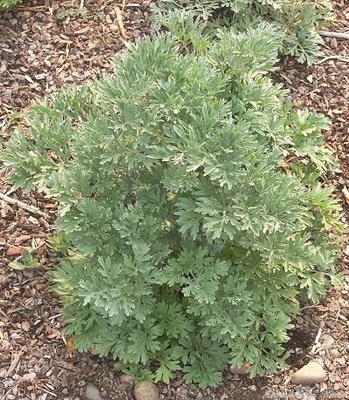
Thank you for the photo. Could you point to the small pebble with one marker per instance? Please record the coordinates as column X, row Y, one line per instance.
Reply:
column 114, row 27
column 334, row 353
column 240, row 371
column 92, row 392
column 341, row 361
column 29, row 377
column 309, row 374
column 146, row 391
column 327, row 341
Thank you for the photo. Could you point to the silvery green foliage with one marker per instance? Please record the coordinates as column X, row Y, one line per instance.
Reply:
column 190, row 204
column 298, row 20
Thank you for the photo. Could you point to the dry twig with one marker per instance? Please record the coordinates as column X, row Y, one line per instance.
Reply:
column 123, row 31
column 315, row 349
column 14, row 362
column 20, row 204
column 340, row 58
column 337, row 35
column 31, row 9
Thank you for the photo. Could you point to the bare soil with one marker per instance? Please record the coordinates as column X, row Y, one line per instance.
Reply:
column 39, row 53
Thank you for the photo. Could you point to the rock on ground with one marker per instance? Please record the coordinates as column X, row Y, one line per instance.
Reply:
column 309, row 374
column 146, row 391
column 92, row 392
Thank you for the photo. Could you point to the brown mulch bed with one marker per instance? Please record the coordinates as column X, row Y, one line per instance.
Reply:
column 39, row 53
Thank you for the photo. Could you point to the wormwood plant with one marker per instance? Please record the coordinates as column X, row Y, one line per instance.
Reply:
column 298, row 20
column 191, row 218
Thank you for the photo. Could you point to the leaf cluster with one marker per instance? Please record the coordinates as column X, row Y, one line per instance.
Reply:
column 8, row 4
column 189, row 197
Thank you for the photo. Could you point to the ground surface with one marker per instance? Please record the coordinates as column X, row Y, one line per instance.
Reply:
column 39, row 53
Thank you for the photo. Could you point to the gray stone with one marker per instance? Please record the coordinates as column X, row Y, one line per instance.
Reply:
column 335, row 353
column 309, row 374
column 146, row 391
column 92, row 392
column 327, row 341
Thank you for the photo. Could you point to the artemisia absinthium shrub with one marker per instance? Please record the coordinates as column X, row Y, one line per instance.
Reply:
column 189, row 205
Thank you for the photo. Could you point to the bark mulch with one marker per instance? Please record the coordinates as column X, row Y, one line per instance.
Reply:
column 40, row 52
